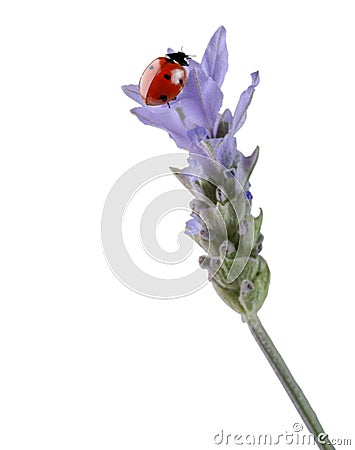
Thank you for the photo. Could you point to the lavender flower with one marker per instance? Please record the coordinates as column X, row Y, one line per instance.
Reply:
column 217, row 175
column 221, row 220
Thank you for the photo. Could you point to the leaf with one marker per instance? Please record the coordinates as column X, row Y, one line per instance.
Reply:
column 246, row 166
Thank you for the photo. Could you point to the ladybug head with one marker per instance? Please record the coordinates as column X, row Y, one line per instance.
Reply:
column 179, row 57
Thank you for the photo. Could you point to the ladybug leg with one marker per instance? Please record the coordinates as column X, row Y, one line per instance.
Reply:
column 170, row 100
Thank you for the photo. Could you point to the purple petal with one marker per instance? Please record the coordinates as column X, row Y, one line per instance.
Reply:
column 193, row 226
column 197, row 134
column 132, row 91
column 215, row 58
column 197, row 229
column 240, row 113
column 200, row 100
column 223, row 150
column 166, row 119
column 223, row 124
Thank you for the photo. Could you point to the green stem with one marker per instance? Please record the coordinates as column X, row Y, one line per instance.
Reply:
column 288, row 382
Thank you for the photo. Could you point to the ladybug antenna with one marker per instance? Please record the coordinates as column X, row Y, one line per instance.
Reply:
column 187, row 56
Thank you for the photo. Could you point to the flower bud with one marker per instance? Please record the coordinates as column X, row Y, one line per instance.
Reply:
column 220, row 195
column 227, row 249
column 247, row 293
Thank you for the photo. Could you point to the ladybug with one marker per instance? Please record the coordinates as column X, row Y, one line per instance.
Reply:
column 163, row 79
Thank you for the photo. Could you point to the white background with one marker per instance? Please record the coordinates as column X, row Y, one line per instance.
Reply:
column 85, row 362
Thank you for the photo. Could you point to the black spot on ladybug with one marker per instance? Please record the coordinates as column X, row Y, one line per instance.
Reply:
column 167, row 76
column 181, row 80
column 163, row 98
column 151, row 67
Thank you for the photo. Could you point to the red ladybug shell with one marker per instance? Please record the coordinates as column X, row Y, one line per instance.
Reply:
column 163, row 79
